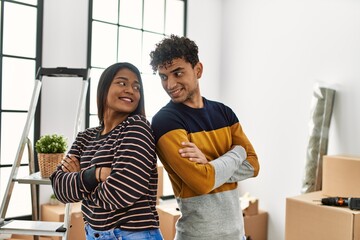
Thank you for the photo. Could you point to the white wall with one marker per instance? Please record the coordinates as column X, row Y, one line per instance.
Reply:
column 260, row 57
column 207, row 35
column 273, row 52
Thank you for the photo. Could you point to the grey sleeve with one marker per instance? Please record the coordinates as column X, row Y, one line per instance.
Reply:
column 245, row 171
column 228, row 164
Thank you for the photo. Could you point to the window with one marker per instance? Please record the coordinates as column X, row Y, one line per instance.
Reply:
column 127, row 30
column 18, row 63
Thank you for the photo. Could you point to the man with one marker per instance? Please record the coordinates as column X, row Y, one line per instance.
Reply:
column 202, row 147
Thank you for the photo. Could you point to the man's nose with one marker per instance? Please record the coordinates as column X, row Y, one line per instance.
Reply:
column 171, row 83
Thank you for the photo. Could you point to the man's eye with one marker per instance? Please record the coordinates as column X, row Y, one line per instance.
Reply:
column 178, row 74
column 163, row 78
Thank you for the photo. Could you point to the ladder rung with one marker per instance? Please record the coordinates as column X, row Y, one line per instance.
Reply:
column 27, row 227
column 63, row 72
column 34, row 178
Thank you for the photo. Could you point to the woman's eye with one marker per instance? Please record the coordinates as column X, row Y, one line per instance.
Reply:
column 137, row 87
column 122, row 84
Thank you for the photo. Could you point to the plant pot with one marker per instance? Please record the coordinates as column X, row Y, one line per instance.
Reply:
column 48, row 163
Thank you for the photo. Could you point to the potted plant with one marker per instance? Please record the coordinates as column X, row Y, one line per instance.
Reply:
column 51, row 150
column 53, row 200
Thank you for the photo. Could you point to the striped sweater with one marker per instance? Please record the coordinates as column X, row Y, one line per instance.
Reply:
column 127, row 199
column 207, row 194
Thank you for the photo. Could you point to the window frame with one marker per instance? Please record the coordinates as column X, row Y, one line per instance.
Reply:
column 38, row 61
column 88, row 114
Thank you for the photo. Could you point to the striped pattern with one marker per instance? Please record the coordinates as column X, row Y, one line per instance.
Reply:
column 127, row 199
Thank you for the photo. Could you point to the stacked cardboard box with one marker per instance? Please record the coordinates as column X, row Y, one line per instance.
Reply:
column 255, row 221
column 307, row 218
column 341, row 176
column 168, row 215
column 27, row 237
column 160, row 190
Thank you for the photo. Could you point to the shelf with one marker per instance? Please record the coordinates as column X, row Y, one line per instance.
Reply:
column 34, row 228
column 34, row 178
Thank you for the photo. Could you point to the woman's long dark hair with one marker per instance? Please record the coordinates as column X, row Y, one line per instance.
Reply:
column 104, row 84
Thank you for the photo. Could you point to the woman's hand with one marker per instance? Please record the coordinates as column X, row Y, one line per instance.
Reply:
column 192, row 152
column 70, row 164
column 102, row 173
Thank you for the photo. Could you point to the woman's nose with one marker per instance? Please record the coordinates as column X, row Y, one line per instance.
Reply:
column 129, row 89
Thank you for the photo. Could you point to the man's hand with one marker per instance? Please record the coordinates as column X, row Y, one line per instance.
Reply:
column 192, row 152
column 70, row 164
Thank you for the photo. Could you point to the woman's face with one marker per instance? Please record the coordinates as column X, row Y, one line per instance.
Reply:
column 124, row 93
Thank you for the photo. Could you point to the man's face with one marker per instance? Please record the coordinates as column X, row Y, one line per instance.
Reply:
column 181, row 81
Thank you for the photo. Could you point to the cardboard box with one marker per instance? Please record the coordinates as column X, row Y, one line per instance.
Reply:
column 340, row 176
column 56, row 213
column 27, row 237
column 168, row 215
column 256, row 226
column 160, row 190
column 252, row 209
column 307, row 218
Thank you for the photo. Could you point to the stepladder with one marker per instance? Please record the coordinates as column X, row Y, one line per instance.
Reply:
column 36, row 227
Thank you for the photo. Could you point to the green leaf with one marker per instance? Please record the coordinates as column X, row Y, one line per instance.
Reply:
column 51, row 144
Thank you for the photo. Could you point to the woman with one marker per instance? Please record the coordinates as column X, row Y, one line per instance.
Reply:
column 112, row 168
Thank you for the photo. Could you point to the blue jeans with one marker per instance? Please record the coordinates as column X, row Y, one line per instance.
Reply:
column 118, row 234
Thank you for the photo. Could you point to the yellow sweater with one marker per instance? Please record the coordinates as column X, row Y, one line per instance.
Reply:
column 215, row 130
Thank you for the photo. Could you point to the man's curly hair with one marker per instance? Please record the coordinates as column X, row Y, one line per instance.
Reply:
column 174, row 47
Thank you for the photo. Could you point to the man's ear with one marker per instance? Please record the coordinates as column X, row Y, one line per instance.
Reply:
column 198, row 69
